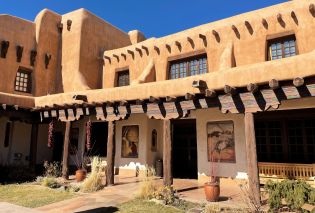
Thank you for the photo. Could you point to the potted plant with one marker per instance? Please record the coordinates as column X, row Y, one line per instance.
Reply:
column 79, row 161
column 212, row 187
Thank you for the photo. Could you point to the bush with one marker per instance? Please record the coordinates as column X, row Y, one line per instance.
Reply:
column 148, row 186
column 50, row 182
column 94, row 181
column 294, row 192
column 166, row 194
column 52, row 169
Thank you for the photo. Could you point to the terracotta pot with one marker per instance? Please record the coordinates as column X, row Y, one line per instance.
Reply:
column 212, row 191
column 80, row 175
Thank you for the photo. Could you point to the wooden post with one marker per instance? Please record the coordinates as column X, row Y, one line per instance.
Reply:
column 110, row 154
column 33, row 145
column 251, row 156
column 65, row 174
column 167, row 153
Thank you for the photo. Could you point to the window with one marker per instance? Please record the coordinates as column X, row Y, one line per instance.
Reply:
column 188, row 67
column 23, row 81
column 286, row 140
column 122, row 78
column 282, row 48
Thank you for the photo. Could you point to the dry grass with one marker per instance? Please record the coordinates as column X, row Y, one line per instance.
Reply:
column 31, row 195
column 94, row 181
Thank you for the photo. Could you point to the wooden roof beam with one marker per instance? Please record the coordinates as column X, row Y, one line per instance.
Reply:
column 252, row 87
column 154, row 99
column 297, row 82
column 229, row 90
column 274, row 84
column 170, row 98
column 108, row 58
column 157, row 49
column 210, row 93
column 189, row 96
column 168, row 47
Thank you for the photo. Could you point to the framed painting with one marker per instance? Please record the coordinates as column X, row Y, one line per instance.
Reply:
column 130, row 141
column 220, row 142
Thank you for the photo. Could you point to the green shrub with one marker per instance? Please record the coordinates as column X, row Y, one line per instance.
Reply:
column 50, row 182
column 94, row 181
column 294, row 192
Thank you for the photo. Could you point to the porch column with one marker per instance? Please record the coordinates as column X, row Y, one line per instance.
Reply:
column 251, row 155
column 167, row 153
column 65, row 174
column 110, row 154
column 33, row 145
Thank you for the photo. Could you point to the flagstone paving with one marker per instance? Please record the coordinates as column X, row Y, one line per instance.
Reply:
column 127, row 188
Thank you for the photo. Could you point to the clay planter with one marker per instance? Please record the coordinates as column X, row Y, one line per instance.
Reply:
column 80, row 175
column 212, row 191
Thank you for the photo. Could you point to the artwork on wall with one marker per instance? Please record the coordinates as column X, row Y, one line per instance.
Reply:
column 220, row 142
column 154, row 141
column 130, row 141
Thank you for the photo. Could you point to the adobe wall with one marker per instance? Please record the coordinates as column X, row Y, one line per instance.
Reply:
column 247, row 48
column 82, row 48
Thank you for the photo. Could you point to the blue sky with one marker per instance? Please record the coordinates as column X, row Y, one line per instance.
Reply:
column 153, row 18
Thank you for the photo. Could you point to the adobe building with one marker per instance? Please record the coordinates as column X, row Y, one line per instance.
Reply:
column 237, row 92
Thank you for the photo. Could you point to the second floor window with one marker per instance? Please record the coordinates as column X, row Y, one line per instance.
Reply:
column 23, row 81
column 122, row 78
column 281, row 48
column 188, row 67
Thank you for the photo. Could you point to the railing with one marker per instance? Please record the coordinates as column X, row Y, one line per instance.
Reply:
column 286, row 170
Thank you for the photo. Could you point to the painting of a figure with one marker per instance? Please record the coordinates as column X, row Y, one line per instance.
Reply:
column 130, row 141
column 221, row 145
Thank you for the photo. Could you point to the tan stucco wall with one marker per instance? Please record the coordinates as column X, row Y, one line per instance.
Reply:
column 82, row 49
column 233, row 170
column 17, row 32
column 248, row 49
column 20, row 143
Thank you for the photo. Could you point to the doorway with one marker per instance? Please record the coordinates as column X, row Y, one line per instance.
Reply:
column 184, row 154
column 58, row 146
column 99, row 139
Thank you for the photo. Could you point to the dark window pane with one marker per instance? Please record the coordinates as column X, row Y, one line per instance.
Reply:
column 123, row 78
column 188, row 67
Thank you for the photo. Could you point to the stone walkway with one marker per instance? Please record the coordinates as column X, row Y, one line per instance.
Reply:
column 106, row 199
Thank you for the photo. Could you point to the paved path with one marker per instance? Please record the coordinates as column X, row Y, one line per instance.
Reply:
column 105, row 199
column 126, row 189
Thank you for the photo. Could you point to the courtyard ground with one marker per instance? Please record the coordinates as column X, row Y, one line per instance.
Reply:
column 118, row 198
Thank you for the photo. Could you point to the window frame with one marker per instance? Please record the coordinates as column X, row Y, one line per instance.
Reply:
column 121, row 72
column 281, row 39
column 188, row 58
column 28, row 72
